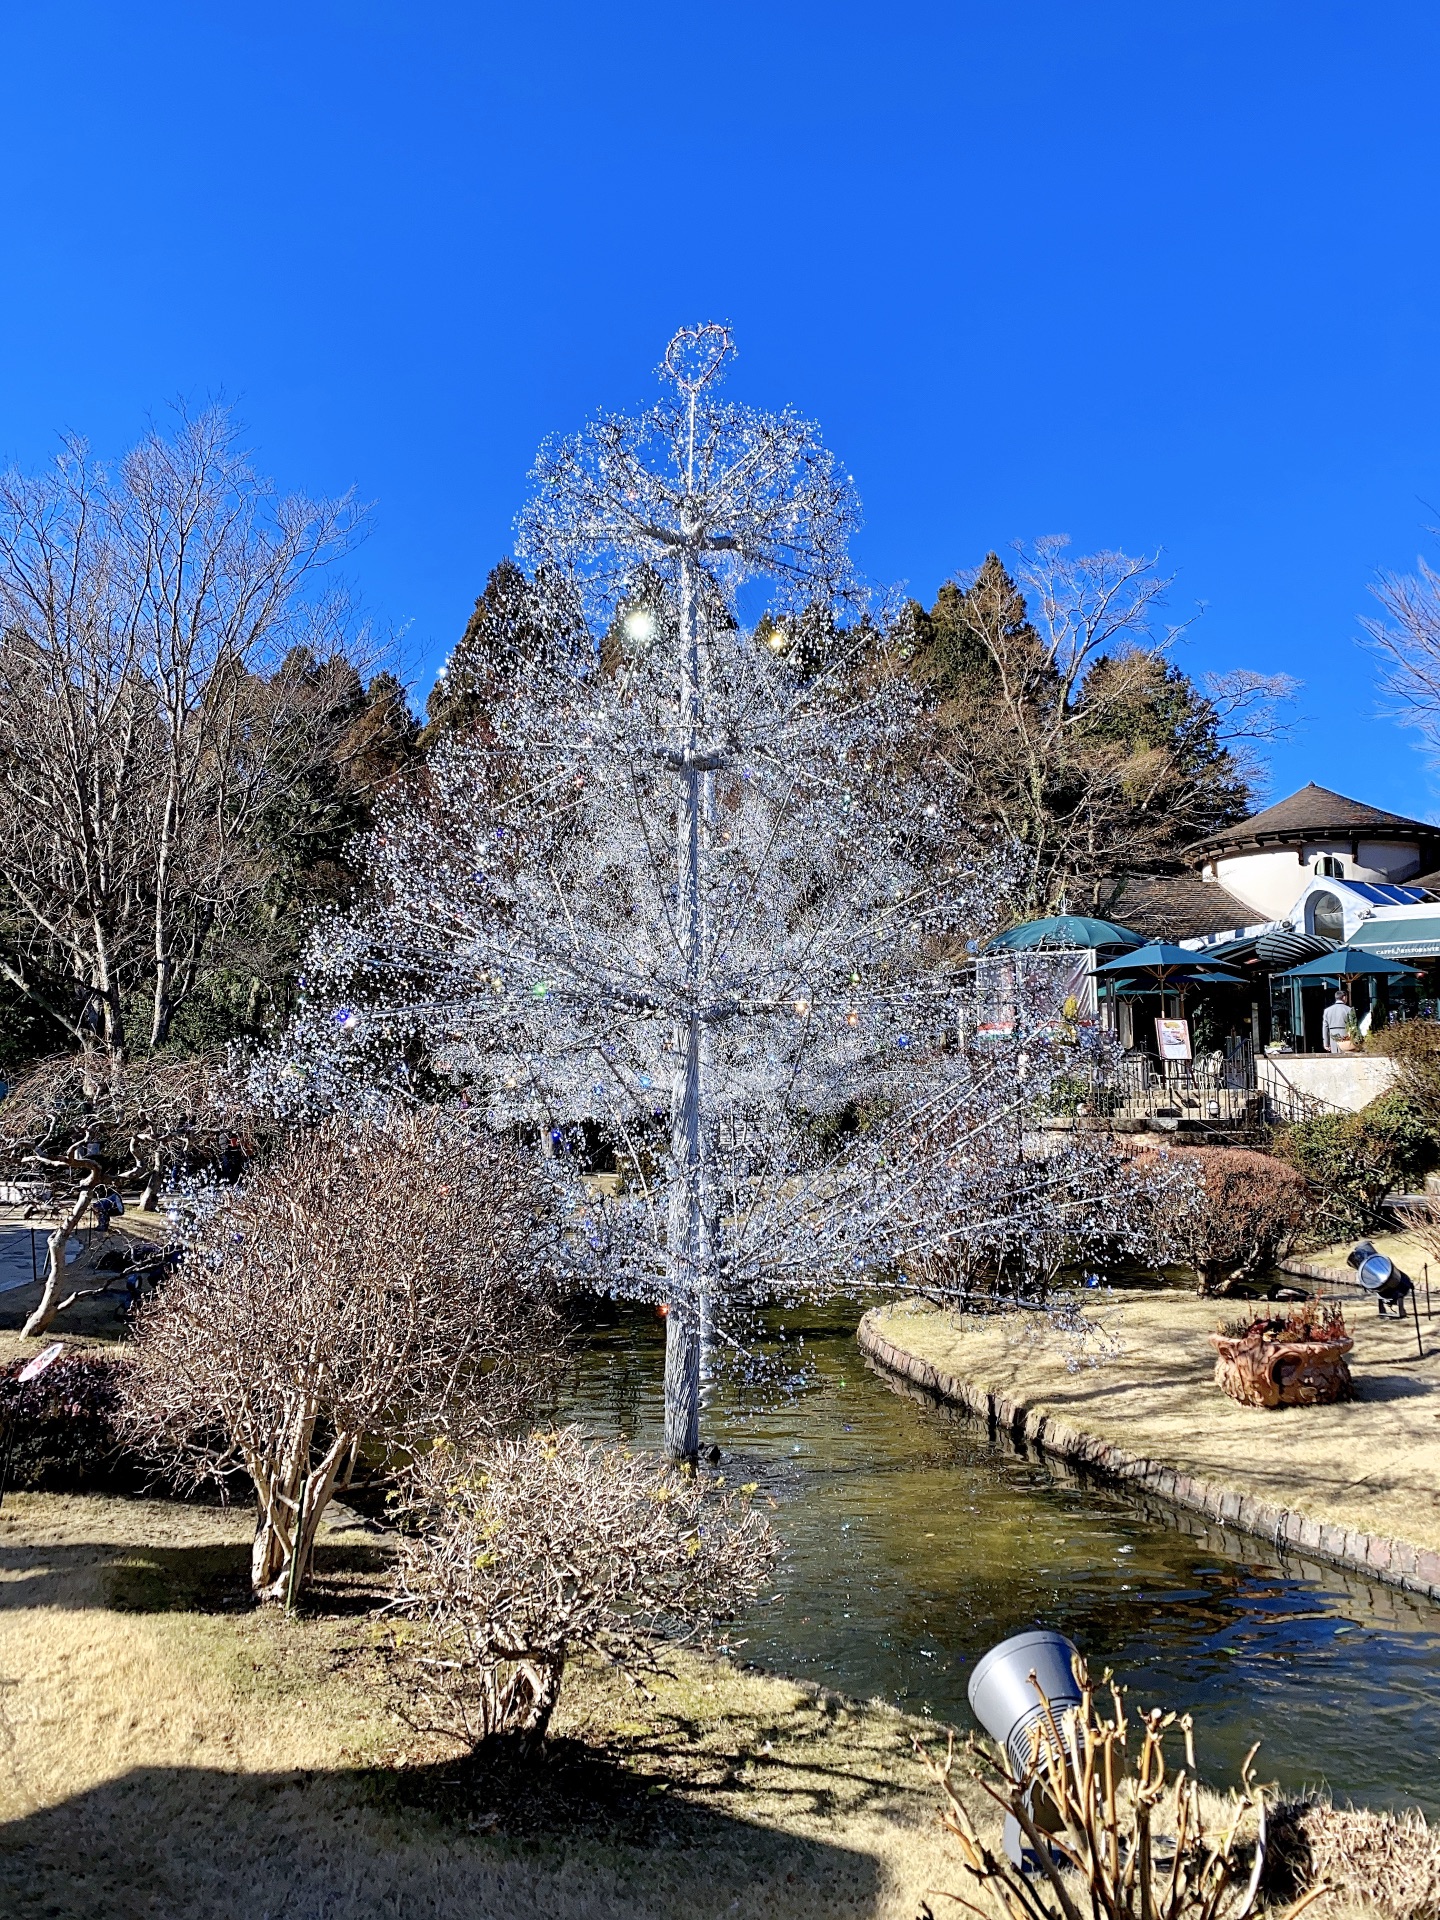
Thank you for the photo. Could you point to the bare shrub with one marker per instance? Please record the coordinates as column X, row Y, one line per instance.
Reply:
column 1032, row 1218
column 1113, row 1834
column 1244, row 1216
column 555, row 1545
column 379, row 1281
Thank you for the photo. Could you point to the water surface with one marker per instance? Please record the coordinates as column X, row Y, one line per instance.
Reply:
column 912, row 1543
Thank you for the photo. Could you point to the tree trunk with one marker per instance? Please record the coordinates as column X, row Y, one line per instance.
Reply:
column 527, row 1701
column 104, row 989
column 290, row 1518
column 150, row 1194
column 161, row 1009
column 46, row 1311
column 682, row 1382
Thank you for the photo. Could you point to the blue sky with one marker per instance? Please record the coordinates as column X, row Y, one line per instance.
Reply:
column 1150, row 276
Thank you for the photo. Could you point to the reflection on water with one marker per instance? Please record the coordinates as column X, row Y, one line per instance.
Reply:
column 912, row 1543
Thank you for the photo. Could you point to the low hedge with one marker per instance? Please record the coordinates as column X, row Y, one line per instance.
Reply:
column 1244, row 1215
column 62, row 1431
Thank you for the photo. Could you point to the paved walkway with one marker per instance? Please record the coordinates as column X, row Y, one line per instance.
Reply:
column 16, row 1269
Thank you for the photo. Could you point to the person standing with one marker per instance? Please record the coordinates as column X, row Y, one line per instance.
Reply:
column 1336, row 1022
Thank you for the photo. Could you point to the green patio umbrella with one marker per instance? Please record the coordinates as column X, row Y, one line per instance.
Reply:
column 1163, row 966
column 1069, row 930
column 1347, row 963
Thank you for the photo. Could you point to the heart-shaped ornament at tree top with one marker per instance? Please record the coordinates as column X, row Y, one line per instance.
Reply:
column 696, row 355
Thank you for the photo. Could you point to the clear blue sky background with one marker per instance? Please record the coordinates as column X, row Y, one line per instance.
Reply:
column 1149, row 275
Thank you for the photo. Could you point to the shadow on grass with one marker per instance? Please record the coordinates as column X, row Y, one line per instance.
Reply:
column 577, row 1834
column 1391, row 1386
column 205, row 1577
column 345, row 1580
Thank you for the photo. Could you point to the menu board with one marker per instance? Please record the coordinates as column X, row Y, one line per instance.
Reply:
column 1173, row 1039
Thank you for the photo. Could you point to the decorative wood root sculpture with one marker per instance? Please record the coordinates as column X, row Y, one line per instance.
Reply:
column 1297, row 1360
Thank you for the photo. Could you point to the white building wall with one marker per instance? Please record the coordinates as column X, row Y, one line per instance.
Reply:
column 1387, row 860
column 1341, row 1082
column 1269, row 881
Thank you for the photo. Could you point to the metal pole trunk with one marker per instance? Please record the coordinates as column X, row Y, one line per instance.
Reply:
column 687, row 1254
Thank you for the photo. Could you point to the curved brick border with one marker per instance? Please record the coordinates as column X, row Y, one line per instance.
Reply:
column 1400, row 1562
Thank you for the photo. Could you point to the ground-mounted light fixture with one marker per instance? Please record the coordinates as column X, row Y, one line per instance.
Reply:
column 1005, row 1697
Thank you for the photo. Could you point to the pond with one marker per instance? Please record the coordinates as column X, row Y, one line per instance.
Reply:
column 912, row 1543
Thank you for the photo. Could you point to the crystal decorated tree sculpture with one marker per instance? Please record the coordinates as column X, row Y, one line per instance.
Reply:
column 691, row 893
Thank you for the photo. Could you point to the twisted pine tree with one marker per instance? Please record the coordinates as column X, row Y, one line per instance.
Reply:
column 690, row 890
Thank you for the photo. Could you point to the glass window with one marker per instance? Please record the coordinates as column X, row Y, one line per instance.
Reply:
column 1327, row 916
column 1329, row 868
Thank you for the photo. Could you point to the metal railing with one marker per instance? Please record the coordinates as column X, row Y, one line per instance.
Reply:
column 1218, row 1088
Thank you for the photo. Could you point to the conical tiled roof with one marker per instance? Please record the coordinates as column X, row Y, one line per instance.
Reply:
column 1315, row 813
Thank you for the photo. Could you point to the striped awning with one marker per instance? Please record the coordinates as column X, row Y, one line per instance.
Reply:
column 1273, row 950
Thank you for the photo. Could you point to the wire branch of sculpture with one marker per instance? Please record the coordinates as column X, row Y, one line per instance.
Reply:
column 694, row 894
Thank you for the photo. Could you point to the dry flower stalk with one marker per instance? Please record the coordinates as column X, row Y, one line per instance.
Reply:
column 1122, row 1841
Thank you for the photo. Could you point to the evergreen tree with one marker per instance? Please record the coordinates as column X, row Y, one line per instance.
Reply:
column 1082, row 743
column 1177, row 768
column 953, row 656
column 509, row 625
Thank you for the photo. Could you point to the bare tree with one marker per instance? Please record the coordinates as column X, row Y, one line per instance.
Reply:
column 379, row 1281
column 140, row 611
column 86, row 1124
column 555, row 1545
column 1407, row 637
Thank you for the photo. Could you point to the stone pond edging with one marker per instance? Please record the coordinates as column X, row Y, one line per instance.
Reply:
column 1398, row 1562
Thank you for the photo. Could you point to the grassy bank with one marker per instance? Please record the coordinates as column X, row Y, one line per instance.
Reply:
column 1371, row 1465
column 167, row 1750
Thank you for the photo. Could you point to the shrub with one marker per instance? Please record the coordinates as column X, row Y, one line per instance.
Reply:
column 1352, row 1160
column 550, row 1546
column 1414, row 1046
column 63, row 1430
column 1243, row 1216
column 1069, row 1092
column 1392, row 1862
column 379, row 1281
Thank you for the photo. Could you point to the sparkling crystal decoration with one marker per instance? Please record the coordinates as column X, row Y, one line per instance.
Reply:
column 693, row 895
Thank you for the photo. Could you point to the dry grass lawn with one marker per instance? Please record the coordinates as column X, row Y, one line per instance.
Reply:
column 1372, row 1463
column 167, row 1751
column 1405, row 1249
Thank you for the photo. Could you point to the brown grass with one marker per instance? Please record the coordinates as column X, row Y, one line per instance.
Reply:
column 167, row 1750
column 1395, row 1857
column 1372, row 1463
